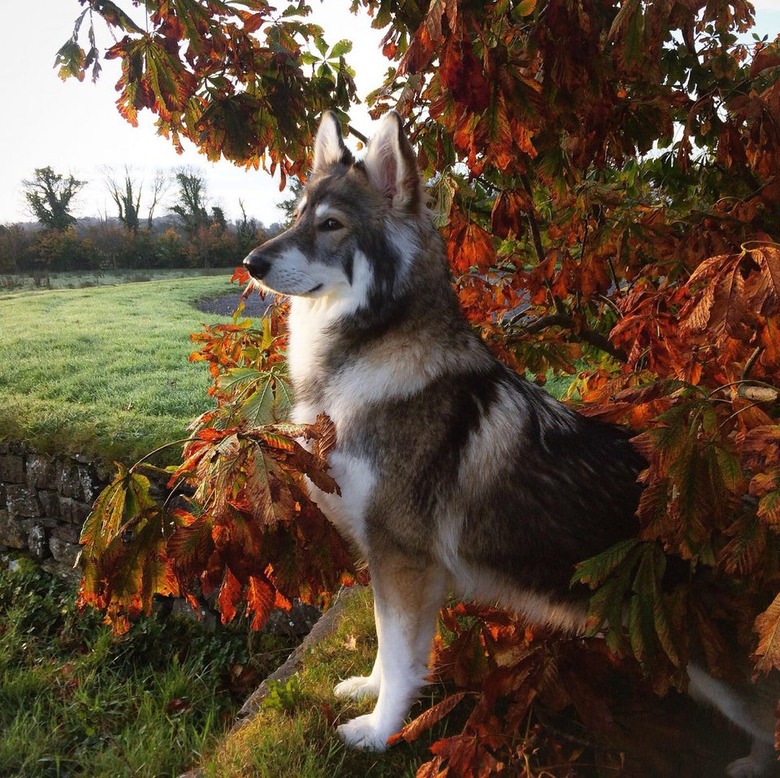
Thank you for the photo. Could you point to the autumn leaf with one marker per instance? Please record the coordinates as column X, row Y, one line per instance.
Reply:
column 427, row 719
column 767, row 626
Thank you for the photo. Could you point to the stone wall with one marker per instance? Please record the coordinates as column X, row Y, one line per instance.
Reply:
column 44, row 501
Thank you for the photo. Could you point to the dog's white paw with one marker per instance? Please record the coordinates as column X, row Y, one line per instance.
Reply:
column 362, row 733
column 357, row 688
column 747, row 767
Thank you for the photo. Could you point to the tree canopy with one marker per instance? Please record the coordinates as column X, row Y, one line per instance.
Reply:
column 605, row 173
column 49, row 196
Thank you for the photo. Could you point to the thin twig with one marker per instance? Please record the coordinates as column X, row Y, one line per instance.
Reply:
column 359, row 135
column 752, row 361
column 536, row 237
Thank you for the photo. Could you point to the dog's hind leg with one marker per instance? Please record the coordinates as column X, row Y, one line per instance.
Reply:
column 407, row 597
column 753, row 716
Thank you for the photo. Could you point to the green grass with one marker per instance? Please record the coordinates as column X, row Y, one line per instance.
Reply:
column 76, row 701
column 104, row 371
column 14, row 283
column 294, row 732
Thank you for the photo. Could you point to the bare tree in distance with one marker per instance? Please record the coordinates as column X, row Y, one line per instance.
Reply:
column 160, row 186
column 127, row 197
column 191, row 205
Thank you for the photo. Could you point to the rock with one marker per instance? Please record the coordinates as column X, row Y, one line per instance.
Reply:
column 89, row 486
column 53, row 567
column 37, row 542
column 41, row 471
column 21, row 500
column 12, row 468
column 296, row 622
column 12, row 532
column 69, row 479
column 64, row 552
column 73, row 511
column 50, row 503
column 66, row 533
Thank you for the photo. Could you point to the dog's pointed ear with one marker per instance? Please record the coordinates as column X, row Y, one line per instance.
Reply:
column 329, row 148
column 392, row 166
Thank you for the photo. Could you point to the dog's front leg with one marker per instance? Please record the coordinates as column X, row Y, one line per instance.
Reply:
column 360, row 686
column 407, row 597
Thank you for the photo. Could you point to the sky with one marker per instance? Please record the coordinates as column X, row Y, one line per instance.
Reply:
column 75, row 127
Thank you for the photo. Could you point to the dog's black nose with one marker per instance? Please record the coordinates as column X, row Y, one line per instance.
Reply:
column 257, row 264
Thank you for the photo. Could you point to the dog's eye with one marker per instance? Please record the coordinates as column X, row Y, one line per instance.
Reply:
column 330, row 224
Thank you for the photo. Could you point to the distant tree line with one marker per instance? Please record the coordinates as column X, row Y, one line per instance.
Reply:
column 191, row 234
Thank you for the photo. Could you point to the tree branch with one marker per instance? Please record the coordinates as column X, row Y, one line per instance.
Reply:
column 589, row 336
column 536, row 237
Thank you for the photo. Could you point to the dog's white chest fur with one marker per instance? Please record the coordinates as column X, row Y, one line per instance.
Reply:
column 341, row 398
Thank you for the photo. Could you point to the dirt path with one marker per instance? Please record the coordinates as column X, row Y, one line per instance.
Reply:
column 227, row 303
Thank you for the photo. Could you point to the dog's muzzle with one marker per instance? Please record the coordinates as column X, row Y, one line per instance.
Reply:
column 257, row 264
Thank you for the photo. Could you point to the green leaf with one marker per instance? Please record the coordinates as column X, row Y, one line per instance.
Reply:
column 341, row 48
column 240, row 378
column 258, row 409
column 442, row 193
column 597, row 569
column 115, row 16
column 71, row 59
column 321, row 45
column 639, row 635
column 524, row 8
column 605, row 611
column 283, row 398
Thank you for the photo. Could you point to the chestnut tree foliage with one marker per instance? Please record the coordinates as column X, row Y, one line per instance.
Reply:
column 605, row 173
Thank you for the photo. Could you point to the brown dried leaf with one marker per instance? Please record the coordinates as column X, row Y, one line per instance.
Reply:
column 767, row 625
column 325, row 438
column 427, row 719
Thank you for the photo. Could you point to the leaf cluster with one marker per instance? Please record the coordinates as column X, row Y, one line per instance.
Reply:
column 521, row 701
column 229, row 76
column 243, row 529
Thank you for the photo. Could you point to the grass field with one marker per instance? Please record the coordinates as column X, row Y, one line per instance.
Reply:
column 75, row 701
column 14, row 283
column 103, row 370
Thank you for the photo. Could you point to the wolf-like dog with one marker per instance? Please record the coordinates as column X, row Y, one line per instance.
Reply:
column 456, row 474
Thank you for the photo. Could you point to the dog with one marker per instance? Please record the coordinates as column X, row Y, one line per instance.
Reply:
column 456, row 474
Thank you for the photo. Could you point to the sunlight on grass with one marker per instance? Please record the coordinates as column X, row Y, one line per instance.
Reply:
column 298, row 737
column 104, row 370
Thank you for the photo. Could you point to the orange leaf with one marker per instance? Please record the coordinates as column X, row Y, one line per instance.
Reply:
column 427, row 719
column 229, row 595
column 767, row 625
column 259, row 600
